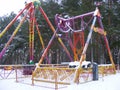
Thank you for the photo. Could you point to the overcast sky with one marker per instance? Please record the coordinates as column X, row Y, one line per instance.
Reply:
column 7, row 6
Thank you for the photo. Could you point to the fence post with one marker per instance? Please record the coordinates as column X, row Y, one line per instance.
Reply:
column 32, row 78
column 56, row 82
column 16, row 73
column 95, row 71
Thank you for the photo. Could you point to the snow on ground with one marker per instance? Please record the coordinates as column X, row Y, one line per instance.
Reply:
column 109, row 82
column 11, row 84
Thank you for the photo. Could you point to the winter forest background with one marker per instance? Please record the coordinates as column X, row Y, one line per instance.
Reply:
column 18, row 50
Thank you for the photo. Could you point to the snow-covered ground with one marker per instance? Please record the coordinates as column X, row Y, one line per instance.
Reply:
column 109, row 82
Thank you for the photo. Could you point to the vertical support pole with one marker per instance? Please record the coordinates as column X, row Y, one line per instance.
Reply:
column 32, row 78
column 31, row 34
column 16, row 73
column 91, row 50
column 75, row 41
column 56, row 82
column 107, row 46
column 88, row 40
column 77, row 75
column 4, row 71
column 118, row 61
column 76, row 78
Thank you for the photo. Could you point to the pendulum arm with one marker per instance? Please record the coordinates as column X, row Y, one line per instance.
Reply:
column 9, row 25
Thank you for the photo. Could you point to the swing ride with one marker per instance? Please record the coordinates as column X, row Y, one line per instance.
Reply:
column 72, row 31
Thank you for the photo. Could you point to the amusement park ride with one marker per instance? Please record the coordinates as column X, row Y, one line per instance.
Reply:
column 65, row 26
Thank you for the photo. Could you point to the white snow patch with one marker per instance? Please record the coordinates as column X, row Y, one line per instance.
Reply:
column 109, row 82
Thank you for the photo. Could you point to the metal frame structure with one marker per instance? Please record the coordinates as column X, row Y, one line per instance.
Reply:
column 30, row 9
column 65, row 26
